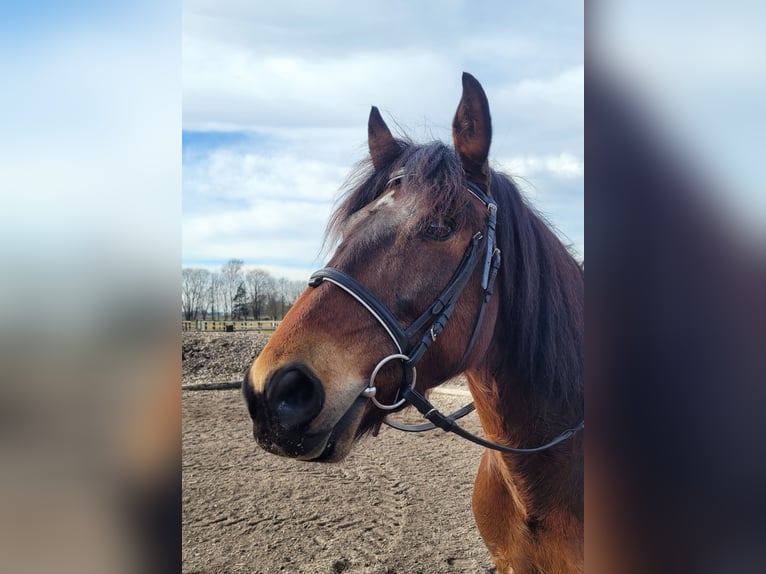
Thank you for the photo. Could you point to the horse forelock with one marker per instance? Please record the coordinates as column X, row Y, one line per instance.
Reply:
column 432, row 170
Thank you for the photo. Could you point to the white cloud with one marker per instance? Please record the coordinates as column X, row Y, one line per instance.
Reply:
column 276, row 69
column 225, row 87
column 264, row 222
column 563, row 166
column 307, row 79
column 564, row 90
column 240, row 174
column 265, row 210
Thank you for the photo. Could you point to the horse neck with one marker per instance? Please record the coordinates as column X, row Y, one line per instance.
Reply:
column 547, row 481
column 526, row 397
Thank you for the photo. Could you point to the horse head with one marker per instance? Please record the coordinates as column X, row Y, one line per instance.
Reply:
column 406, row 283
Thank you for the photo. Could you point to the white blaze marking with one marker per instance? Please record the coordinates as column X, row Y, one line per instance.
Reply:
column 385, row 213
column 386, row 199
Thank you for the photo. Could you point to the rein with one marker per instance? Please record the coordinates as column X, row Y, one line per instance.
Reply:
column 434, row 319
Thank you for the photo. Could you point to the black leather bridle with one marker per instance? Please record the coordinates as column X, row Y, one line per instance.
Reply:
column 432, row 322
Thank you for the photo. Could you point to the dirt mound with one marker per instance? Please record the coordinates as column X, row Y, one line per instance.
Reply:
column 218, row 357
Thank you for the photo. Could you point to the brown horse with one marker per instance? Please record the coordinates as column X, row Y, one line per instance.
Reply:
column 411, row 281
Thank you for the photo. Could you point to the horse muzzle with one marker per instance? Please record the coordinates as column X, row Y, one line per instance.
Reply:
column 287, row 411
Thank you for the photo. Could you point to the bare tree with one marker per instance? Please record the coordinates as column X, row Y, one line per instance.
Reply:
column 282, row 294
column 232, row 276
column 187, row 293
column 215, row 295
column 240, row 307
column 273, row 301
column 258, row 284
column 193, row 286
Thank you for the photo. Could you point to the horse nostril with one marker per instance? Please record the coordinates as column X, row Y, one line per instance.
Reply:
column 294, row 398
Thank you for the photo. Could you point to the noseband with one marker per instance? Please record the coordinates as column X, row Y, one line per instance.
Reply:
column 432, row 322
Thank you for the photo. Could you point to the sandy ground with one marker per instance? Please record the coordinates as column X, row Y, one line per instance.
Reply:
column 399, row 504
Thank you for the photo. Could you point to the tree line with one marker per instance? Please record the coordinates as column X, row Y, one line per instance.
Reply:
column 236, row 293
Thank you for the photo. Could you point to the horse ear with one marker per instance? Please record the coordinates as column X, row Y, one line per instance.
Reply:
column 472, row 131
column 383, row 146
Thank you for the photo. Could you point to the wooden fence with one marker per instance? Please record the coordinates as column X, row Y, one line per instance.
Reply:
column 229, row 325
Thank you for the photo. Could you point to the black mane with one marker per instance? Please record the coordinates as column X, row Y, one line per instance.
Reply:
column 542, row 315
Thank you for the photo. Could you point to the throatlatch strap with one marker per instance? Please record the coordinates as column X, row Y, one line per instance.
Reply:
column 458, row 414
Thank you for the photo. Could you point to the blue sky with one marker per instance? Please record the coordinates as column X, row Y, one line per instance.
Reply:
column 276, row 99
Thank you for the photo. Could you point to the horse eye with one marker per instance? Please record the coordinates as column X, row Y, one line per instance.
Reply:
column 439, row 231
